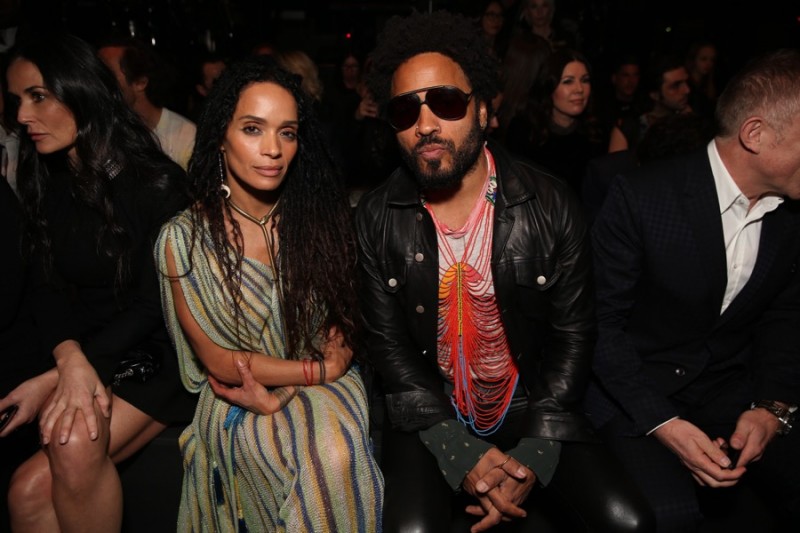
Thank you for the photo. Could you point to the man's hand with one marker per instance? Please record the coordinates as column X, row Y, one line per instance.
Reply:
column 707, row 460
column 252, row 395
column 754, row 429
column 501, row 485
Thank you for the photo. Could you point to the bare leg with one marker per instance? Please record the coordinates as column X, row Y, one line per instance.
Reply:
column 87, row 494
column 84, row 490
column 29, row 497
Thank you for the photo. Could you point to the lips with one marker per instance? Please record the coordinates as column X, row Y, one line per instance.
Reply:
column 269, row 172
column 431, row 151
column 35, row 136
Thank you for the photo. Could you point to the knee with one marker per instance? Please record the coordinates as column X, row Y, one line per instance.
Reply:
column 74, row 461
column 30, row 488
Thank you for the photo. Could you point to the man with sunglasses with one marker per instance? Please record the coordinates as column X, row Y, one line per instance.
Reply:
column 478, row 306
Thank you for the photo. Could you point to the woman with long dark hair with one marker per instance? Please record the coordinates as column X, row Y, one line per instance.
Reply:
column 95, row 189
column 557, row 129
column 260, row 301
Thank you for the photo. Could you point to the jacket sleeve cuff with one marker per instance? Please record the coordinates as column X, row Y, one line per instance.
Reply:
column 540, row 455
column 455, row 450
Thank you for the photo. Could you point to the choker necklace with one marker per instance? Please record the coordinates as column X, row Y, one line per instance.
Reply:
column 262, row 223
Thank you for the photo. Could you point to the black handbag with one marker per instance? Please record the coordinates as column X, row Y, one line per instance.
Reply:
column 140, row 364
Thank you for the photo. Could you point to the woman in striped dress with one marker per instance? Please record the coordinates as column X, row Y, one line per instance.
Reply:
column 257, row 287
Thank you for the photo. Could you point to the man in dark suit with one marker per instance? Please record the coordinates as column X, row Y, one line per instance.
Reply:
column 698, row 354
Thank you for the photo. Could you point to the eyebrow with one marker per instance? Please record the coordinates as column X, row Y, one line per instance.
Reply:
column 260, row 120
column 32, row 88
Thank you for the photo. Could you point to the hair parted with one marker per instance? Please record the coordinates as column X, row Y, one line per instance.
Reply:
column 317, row 247
column 109, row 135
column 768, row 86
column 452, row 35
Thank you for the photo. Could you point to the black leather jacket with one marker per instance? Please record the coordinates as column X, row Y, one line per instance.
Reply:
column 542, row 278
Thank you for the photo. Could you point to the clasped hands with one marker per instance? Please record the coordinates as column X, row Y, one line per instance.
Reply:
column 501, row 484
column 707, row 459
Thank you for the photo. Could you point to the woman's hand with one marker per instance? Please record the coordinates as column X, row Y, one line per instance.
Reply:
column 251, row 395
column 78, row 388
column 336, row 355
column 29, row 397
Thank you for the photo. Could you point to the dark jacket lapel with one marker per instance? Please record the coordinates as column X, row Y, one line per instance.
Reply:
column 702, row 211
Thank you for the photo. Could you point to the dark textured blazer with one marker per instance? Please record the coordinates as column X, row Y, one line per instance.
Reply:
column 660, row 272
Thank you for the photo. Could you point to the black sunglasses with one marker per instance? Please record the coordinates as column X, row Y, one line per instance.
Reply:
column 446, row 102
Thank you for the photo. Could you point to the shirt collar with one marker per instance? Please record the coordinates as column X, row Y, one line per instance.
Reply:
column 727, row 190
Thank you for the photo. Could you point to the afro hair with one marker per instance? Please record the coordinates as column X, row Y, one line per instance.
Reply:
column 449, row 34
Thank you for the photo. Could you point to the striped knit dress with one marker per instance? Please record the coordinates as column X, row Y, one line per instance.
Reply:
column 308, row 467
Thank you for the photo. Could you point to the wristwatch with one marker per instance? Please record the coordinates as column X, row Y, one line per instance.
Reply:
column 784, row 413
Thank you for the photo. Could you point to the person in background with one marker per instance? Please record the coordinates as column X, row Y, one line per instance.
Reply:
column 208, row 68
column 621, row 99
column 701, row 59
column 697, row 364
column 556, row 130
column 95, row 189
column 538, row 18
column 524, row 59
column 491, row 21
column 667, row 84
column 258, row 289
column 475, row 271
column 137, row 69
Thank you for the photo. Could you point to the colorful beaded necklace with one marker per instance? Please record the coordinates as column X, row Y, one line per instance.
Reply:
column 473, row 349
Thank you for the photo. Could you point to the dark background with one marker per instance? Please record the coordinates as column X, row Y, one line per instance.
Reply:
column 183, row 29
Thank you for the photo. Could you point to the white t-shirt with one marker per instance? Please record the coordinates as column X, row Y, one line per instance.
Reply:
column 176, row 135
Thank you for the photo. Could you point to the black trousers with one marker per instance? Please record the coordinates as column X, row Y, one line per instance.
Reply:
column 768, row 497
column 589, row 492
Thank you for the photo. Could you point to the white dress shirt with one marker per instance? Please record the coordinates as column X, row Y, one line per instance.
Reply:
column 741, row 226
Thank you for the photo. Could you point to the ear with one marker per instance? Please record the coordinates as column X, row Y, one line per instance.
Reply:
column 753, row 134
column 483, row 115
column 139, row 85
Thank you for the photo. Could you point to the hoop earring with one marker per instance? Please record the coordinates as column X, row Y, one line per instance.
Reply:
column 225, row 191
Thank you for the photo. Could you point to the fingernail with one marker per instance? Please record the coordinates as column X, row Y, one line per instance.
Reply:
column 481, row 486
column 62, row 439
column 725, row 462
column 93, row 435
column 240, row 362
column 520, row 472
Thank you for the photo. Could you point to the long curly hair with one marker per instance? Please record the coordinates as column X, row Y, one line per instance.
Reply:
column 449, row 34
column 317, row 247
column 110, row 136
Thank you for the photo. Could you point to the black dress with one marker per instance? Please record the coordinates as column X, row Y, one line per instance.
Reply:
column 84, row 297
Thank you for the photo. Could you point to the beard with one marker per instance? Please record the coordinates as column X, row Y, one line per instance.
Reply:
column 430, row 175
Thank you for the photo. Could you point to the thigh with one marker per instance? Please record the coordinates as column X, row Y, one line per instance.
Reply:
column 666, row 484
column 777, row 475
column 131, row 429
column 416, row 496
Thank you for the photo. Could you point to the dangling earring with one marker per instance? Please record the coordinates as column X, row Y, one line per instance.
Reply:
column 225, row 191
